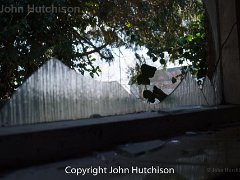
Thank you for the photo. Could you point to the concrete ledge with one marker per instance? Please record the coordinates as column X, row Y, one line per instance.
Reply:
column 25, row 145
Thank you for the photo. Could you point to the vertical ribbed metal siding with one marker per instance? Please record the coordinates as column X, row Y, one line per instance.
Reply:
column 55, row 92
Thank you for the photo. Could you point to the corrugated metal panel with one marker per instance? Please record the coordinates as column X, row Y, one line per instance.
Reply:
column 55, row 92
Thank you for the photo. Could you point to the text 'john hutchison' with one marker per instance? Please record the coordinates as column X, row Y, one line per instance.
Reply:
column 117, row 170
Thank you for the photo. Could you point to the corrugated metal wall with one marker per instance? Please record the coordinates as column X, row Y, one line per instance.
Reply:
column 55, row 92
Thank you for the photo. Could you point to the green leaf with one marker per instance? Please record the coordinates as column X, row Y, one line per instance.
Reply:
column 159, row 94
column 162, row 61
column 198, row 34
column 174, row 80
column 128, row 25
column 141, row 79
column 180, row 50
column 180, row 62
column 162, row 55
column 149, row 96
column 148, row 71
column 154, row 58
column 189, row 38
column 137, row 56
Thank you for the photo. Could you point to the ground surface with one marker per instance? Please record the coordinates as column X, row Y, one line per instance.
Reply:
column 201, row 155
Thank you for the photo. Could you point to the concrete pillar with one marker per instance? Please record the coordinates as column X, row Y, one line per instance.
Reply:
column 223, row 19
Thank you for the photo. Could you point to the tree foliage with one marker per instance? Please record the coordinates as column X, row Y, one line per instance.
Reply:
column 29, row 39
column 188, row 47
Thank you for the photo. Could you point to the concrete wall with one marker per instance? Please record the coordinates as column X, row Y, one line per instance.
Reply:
column 213, row 24
column 41, row 143
column 230, row 51
column 223, row 19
